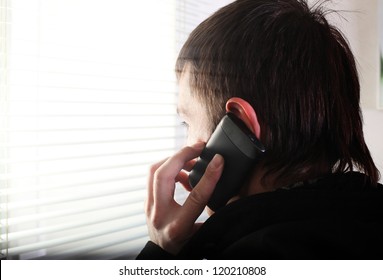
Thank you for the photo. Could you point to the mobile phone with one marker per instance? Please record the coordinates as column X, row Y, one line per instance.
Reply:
column 240, row 149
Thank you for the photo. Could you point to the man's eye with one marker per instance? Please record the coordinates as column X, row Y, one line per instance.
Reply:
column 185, row 124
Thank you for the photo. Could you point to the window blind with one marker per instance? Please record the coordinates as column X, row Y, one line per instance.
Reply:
column 88, row 102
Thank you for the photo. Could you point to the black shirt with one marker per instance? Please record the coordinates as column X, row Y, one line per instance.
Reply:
column 336, row 217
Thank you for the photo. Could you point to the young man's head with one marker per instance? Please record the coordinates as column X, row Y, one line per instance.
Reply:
column 299, row 76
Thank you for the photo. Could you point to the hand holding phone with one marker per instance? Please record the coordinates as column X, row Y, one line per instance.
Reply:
column 170, row 225
column 240, row 149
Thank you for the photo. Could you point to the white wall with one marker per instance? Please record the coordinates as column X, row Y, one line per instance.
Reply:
column 367, row 49
column 359, row 21
column 373, row 131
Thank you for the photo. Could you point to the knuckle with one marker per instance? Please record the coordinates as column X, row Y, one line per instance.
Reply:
column 160, row 178
column 188, row 149
column 173, row 231
column 155, row 220
column 196, row 197
column 154, row 167
column 184, row 149
column 147, row 207
column 210, row 175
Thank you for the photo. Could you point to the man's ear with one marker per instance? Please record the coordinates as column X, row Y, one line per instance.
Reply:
column 243, row 110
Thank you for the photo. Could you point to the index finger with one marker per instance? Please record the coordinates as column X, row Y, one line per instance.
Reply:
column 166, row 174
column 150, row 192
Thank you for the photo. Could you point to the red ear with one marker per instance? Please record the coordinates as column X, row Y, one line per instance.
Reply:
column 243, row 110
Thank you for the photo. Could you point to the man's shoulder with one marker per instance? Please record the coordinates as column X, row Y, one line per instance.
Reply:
column 294, row 222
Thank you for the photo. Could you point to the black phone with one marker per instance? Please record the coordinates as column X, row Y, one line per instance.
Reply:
column 240, row 149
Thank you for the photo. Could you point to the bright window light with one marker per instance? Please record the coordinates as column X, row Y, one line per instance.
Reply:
column 88, row 101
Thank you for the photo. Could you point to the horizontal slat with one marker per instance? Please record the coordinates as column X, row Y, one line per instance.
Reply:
column 27, row 6
column 136, row 196
column 68, row 239
column 90, row 122
column 123, row 69
column 152, row 91
column 126, row 90
column 125, row 76
column 85, row 115
column 88, row 156
column 128, row 246
column 31, row 130
column 24, row 175
column 118, row 248
column 86, row 102
column 110, row 215
column 91, row 134
column 117, row 201
column 138, row 139
column 17, row 191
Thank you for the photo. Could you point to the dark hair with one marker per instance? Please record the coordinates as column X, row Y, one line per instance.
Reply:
column 298, row 73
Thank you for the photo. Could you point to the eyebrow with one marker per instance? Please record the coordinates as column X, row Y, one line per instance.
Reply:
column 181, row 111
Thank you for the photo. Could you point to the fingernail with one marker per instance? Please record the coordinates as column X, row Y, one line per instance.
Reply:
column 217, row 161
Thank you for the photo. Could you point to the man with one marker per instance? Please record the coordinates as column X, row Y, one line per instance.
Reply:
column 291, row 78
